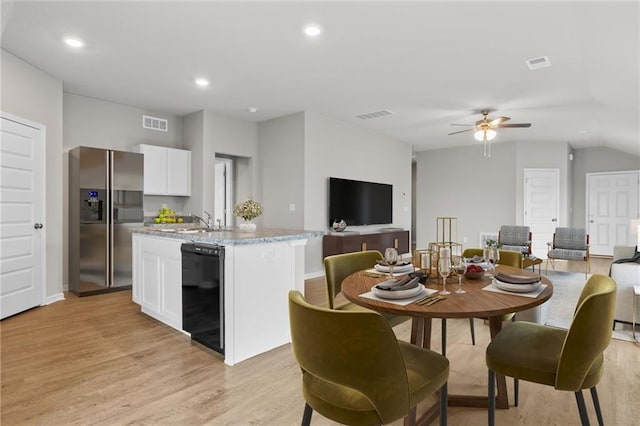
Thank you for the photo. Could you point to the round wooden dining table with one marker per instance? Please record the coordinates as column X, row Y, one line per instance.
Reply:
column 475, row 303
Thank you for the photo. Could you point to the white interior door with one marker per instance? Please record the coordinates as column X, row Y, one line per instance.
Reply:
column 612, row 201
column 541, row 207
column 223, row 191
column 21, row 212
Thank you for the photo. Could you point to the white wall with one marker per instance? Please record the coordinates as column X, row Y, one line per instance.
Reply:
column 460, row 182
column 208, row 134
column 337, row 149
column 282, row 171
column 192, row 134
column 235, row 138
column 593, row 160
column 34, row 95
column 492, row 188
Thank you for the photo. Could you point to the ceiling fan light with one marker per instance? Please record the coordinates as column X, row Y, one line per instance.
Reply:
column 491, row 134
column 479, row 135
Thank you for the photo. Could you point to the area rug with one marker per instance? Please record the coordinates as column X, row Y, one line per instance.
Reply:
column 567, row 287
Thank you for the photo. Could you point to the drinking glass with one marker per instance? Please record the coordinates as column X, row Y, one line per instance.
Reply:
column 460, row 266
column 391, row 257
column 486, row 254
column 444, row 268
column 494, row 257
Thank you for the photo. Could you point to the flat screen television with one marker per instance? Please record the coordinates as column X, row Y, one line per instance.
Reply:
column 360, row 203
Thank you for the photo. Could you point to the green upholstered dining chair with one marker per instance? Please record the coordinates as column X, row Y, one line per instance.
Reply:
column 340, row 266
column 507, row 257
column 569, row 360
column 354, row 369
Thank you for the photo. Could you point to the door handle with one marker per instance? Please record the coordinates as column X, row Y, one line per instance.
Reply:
column 554, row 219
column 38, row 225
column 591, row 221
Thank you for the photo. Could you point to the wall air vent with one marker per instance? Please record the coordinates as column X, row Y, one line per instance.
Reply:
column 375, row 114
column 536, row 63
column 153, row 123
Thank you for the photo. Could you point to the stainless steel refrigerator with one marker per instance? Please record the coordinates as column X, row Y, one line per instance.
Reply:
column 105, row 201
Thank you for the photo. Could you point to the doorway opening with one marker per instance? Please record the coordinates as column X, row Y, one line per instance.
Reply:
column 223, row 190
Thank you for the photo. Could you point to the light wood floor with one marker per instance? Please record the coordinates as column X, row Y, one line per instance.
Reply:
column 98, row 360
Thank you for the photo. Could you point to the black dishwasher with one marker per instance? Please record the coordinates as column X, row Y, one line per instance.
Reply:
column 203, row 293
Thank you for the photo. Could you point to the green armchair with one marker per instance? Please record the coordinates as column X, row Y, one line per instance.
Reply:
column 339, row 267
column 355, row 371
column 569, row 360
column 507, row 257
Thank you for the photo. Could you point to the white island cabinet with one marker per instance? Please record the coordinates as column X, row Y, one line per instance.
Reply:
column 157, row 278
column 260, row 270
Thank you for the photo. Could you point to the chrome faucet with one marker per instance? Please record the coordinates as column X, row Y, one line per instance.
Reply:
column 209, row 219
column 206, row 222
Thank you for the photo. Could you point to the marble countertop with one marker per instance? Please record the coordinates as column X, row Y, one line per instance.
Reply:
column 226, row 236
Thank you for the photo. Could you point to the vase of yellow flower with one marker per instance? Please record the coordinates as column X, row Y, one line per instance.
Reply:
column 247, row 210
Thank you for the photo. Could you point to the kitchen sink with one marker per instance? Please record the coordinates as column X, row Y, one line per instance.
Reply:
column 194, row 231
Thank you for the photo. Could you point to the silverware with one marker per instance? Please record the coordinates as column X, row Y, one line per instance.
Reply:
column 376, row 274
column 426, row 298
column 434, row 300
column 430, row 301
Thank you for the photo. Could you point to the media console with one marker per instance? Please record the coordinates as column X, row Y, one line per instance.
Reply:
column 350, row 242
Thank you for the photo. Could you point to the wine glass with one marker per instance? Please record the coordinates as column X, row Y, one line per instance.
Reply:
column 494, row 257
column 460, row 266
column 486, row 254
column 444, row 268
column 391, row 257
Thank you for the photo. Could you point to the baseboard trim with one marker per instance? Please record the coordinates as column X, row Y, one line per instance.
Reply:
column 53, row 298
column 313, row 275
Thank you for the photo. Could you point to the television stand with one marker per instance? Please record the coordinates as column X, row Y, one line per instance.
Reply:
column 349, row 243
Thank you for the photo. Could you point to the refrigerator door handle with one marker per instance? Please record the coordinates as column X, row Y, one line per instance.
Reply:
column 109, row 218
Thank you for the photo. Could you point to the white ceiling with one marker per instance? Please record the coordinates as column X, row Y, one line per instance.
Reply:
column 432, row 63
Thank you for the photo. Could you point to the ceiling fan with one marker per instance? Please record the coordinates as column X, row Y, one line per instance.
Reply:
column 484, row 129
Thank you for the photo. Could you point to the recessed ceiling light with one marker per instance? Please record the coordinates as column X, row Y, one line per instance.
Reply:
column 74, row 42
column 253, row 109
column 312, row 30
column 202, row 82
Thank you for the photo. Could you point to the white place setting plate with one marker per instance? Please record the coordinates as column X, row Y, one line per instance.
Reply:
column 517, row 288
column 399, row 294
column 396, row 269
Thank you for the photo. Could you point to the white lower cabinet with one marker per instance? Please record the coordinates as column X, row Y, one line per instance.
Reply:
column 157, row 283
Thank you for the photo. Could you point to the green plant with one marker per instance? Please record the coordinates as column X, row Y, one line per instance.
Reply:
column 493, row 243
column 248, row 209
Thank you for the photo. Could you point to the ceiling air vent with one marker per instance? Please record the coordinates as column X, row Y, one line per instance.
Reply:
column 536, row 63
column 375, row 114
column 154, row 123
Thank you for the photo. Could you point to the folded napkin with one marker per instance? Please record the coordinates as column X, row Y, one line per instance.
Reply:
column 404, row 283
column 516, row 279
column 400, row 263
column 476, row 259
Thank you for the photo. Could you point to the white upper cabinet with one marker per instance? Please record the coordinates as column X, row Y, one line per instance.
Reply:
column 167, row 171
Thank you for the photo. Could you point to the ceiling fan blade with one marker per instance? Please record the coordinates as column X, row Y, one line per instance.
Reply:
column 458, row 124
column 462, row 131
column 504, row 126
column 498, row 120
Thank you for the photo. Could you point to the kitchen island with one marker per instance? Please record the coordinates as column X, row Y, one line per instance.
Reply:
column 259, row 270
